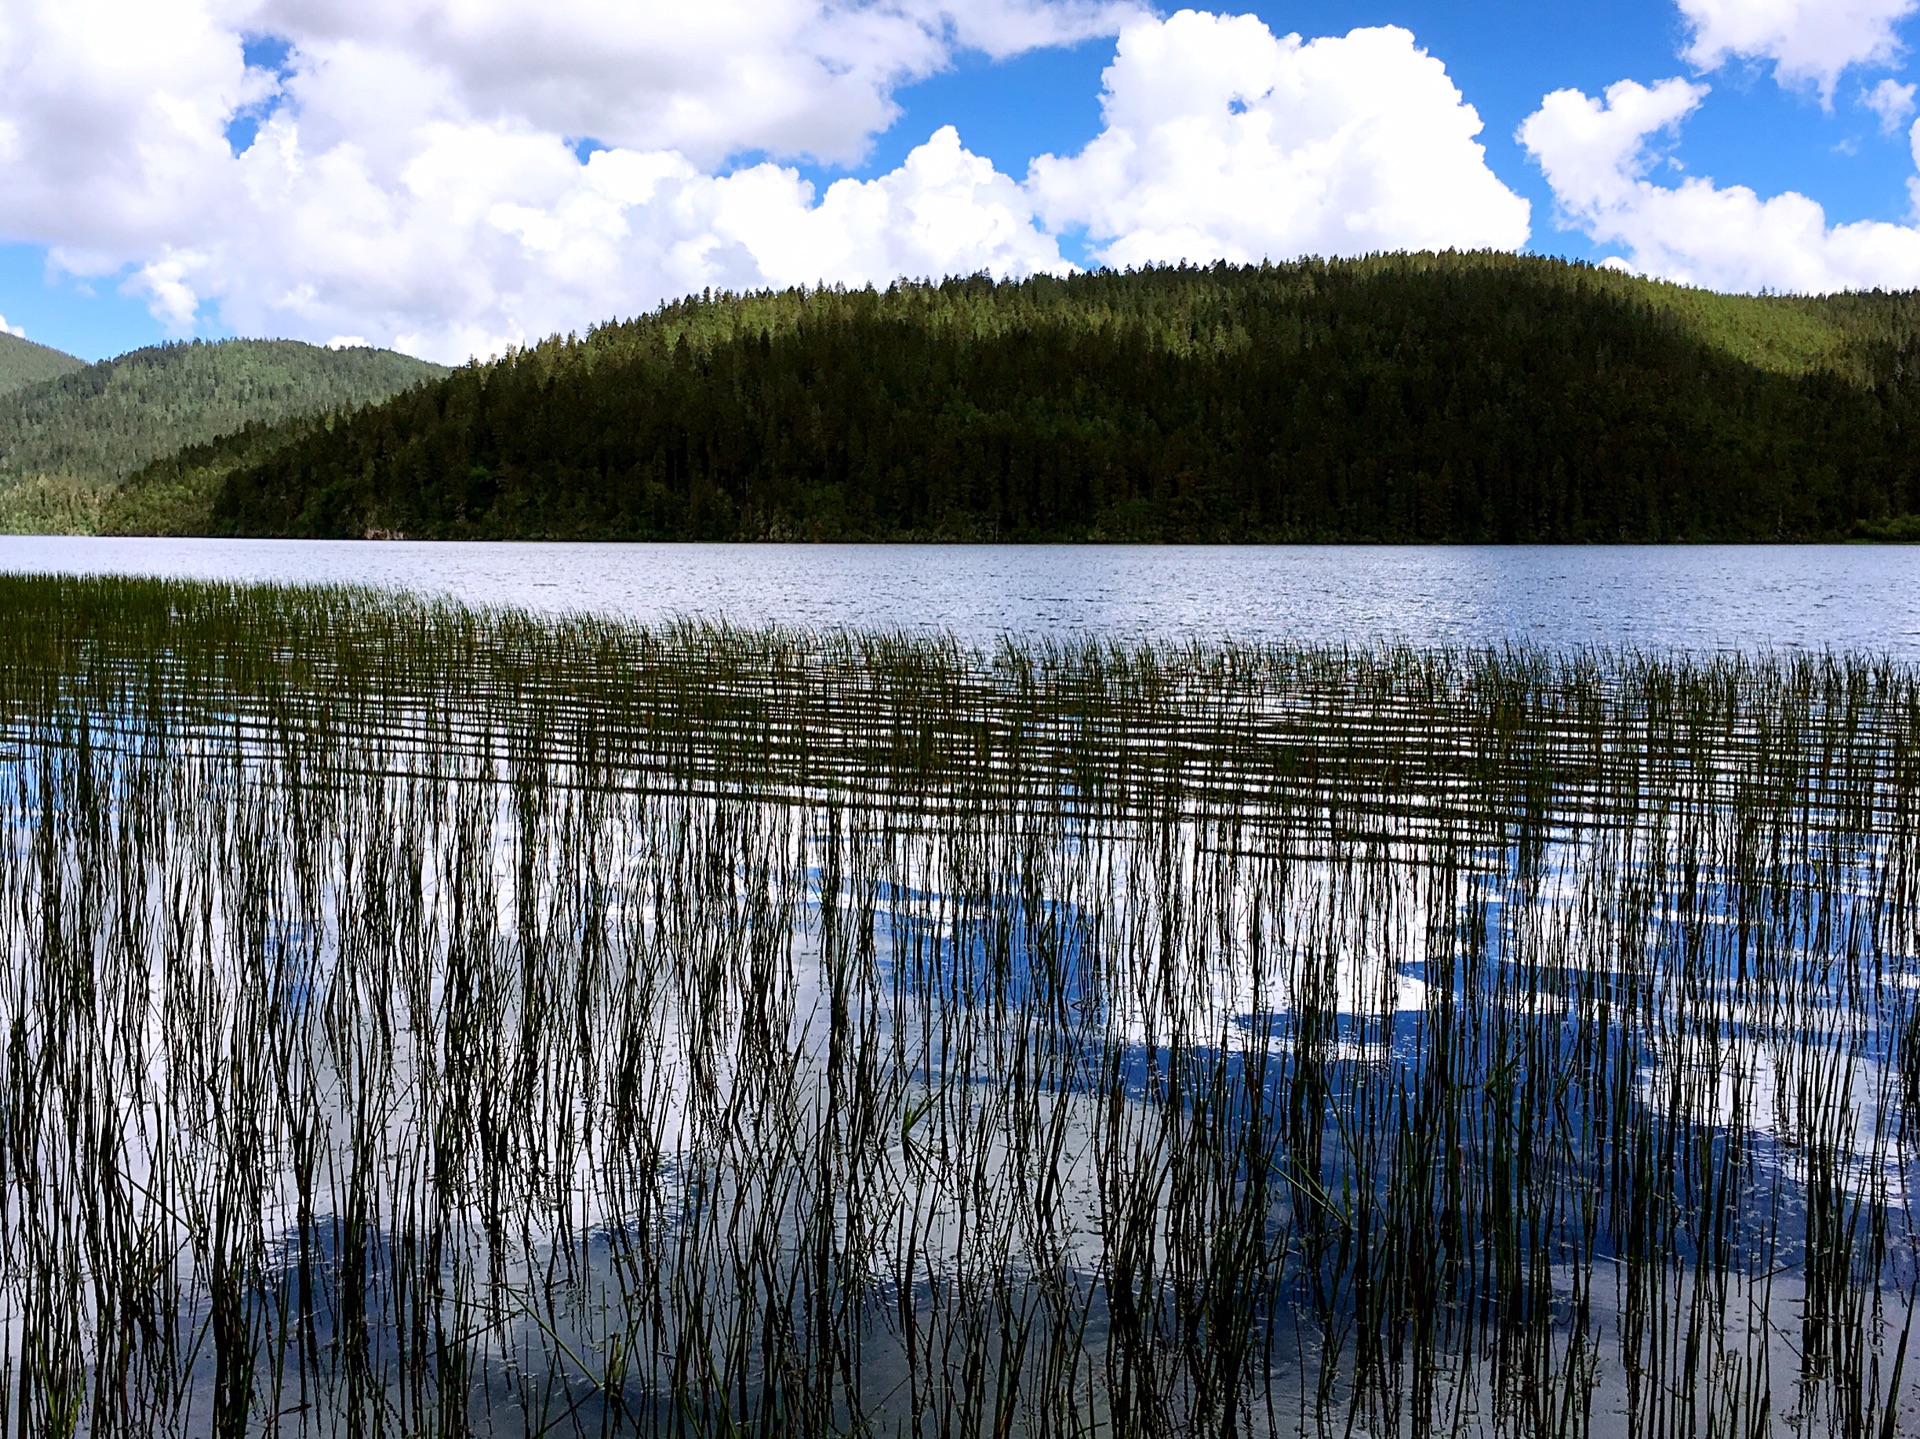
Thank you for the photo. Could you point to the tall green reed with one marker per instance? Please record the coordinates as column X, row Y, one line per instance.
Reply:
column 423, row 1021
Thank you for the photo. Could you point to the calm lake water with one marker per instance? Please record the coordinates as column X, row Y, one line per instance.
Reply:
column 1695, row 598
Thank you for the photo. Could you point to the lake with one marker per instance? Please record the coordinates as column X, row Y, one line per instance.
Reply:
column 432, row 1023
column 1655, row 597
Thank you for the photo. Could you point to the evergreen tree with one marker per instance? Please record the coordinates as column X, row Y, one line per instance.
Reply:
column 66, row 441
column 1409, row 397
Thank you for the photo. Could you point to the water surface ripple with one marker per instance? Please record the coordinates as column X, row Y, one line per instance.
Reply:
column 1697, row 598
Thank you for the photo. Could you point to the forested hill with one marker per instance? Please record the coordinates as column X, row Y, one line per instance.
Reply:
column 1456, row 397
column 67, row 441
column 24, row 363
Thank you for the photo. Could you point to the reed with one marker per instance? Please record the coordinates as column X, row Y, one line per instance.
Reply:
column 428, row 1022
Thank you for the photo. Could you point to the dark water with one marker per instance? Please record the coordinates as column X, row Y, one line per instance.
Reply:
column 1693, row 598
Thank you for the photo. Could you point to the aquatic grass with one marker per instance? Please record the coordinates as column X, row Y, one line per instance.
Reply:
column 422, row 1021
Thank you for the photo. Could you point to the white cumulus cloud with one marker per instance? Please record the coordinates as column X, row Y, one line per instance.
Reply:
column 1892, row 102
column 113, row 119
column 708, row 79
column 453, row 176
column 490, row 238
column 413, row 170
column 1810, row 42
column 1601, row 159
column 1223, row 140
column 14, row 330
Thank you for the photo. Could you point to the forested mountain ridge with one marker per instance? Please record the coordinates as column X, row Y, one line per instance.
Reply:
column 66, row 442
column 1411, row 397
column 24, row 363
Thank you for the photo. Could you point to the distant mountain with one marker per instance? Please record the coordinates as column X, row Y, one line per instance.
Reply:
column 66, row 442
column 24, row 363
column 1405, row 397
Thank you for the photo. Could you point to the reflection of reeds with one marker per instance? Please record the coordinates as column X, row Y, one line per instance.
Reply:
column 420, row 1021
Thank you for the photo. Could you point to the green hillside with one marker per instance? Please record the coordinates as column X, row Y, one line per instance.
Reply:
column 24, row 363
column 1411, row 397
column 175, row 494
column 66, row 442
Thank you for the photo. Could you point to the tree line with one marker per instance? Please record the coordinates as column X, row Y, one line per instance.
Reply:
column 1418, row 397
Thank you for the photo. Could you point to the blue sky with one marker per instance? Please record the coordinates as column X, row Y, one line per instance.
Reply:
column 279, row 189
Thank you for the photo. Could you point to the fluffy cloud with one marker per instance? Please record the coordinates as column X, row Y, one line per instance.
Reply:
column 451, row 176
column 113, row 120
column 1596, row 154
column 1599, row 157
column 1892, row 102
column 708, row 80
column 14, row 330
column 413, row 170
column 1223, row 140
column 490, row 237
column 1810, row 42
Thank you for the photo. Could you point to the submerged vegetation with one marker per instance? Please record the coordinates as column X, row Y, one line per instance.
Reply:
column 68, row 441
column 1408, row 397
column 428, row 1022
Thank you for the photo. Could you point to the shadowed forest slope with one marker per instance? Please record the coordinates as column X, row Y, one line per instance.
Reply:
column 66, row 441
column 1412, row 397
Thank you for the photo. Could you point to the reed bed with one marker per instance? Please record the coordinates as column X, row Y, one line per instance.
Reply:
column 428, row 1022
